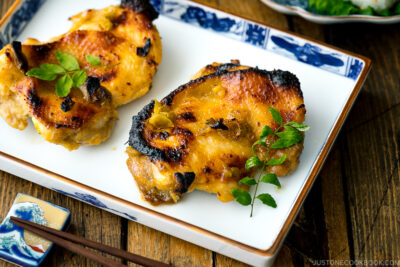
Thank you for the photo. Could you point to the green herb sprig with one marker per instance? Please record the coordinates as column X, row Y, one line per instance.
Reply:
column 69, row 70
column 284, row 136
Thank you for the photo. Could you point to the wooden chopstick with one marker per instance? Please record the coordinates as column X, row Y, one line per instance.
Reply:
column 64, row 239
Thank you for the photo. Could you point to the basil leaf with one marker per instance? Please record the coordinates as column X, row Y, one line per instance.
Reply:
column 93, row 60
column 67, row 61
column 252, row 162
column 79, row 78
column 298, row 126
column 63, row 86
column 271, row 178
column 275, row 115
column 52, row 68
column 247, row 181
column 287, row 138
column 265, row 132
column 267, row 199
column 42, row 74
column 241, row 196
column 279, row 161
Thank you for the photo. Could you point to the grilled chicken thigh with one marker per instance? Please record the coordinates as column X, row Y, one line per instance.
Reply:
column 201, row 134
column 129, row 47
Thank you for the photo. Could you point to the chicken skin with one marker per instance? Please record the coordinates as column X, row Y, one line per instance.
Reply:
column 201, row 134
column 129, row 48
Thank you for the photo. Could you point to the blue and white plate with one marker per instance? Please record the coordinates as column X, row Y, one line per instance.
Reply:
column 299, row 7
column 193, row 36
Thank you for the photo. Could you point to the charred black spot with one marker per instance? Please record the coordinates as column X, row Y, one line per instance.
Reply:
column 183, row 181
column 97, row 93
column 33, row 99
column 62, row 125
column 120, row 19
column 141, row 6
column 300, row 106
column 40, row 52
column 67, row 104
column 182, row 131
column 144, row 51
column 226, row 66
column 173, row 154
column 284, row 78
column 162, row 135
column 207, row 170
column 187, row 116
column 73, row 118
column 20, row 59
column 219, row 124
column 136, row 139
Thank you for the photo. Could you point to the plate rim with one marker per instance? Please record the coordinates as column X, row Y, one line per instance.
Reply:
column 295, row 10
column 316, row 167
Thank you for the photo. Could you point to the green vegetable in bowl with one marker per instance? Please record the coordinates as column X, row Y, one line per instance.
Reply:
column 345, row 7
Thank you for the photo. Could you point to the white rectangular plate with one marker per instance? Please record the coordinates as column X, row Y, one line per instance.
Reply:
column 192, row 36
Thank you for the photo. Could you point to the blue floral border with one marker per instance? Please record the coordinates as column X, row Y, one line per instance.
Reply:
column 92, row 200
column 261, row 36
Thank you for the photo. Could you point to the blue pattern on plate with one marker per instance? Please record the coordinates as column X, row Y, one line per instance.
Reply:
column 92, row 200
column 207, row 20
column 307, row 53
column 355, row 68
column 255, row 34
column 19, row 20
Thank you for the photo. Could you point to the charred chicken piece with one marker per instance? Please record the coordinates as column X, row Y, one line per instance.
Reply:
column 129, row 47
column 200, row 135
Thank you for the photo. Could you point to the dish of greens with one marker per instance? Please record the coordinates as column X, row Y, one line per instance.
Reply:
column 364, row 7
column 336, row 11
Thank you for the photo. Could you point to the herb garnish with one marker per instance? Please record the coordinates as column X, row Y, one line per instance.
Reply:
column 72, row 74
column 270, row 139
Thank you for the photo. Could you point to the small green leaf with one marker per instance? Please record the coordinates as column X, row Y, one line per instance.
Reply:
column 275, row 115
column 93, row 60
column 298, row 126
column 52, row 68
column 259, row 142
column 279, row 161
column 287, row 138
column 247, row 181
column 266, row 131
column 271, row 178
column 241, row 196
column 63, row 86
column 252, row 162
column 267, row 199
column 79, row 78
column 41, row 74
column 67, row 61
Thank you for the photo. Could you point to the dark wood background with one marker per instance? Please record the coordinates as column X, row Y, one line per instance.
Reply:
column 352, row 212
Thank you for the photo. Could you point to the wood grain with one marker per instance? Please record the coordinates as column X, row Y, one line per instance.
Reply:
column 352, row 211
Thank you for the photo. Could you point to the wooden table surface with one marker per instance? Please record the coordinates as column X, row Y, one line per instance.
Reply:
column 352, row 212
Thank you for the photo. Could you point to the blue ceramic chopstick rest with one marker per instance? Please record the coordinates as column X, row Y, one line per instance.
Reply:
column 23, row 247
